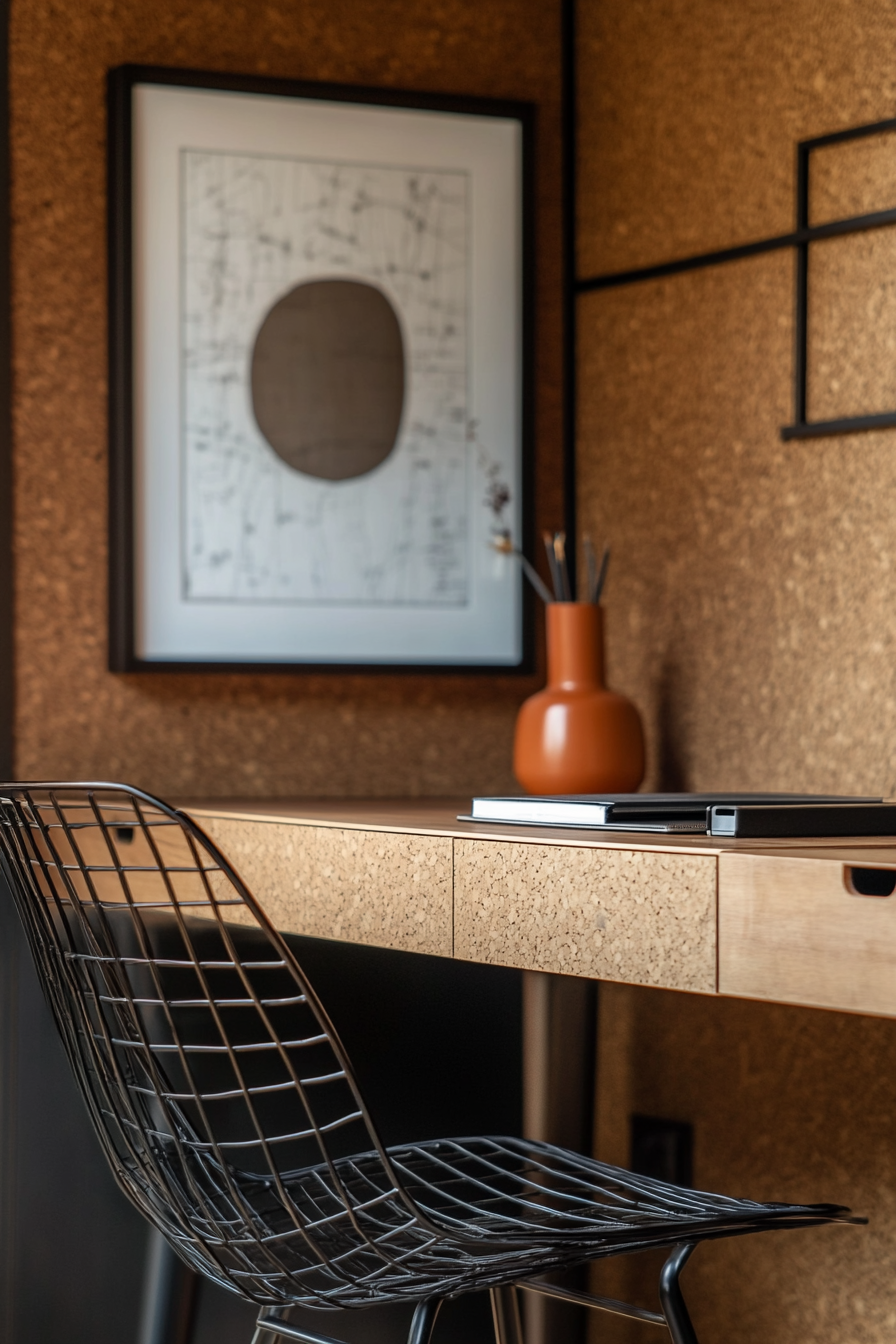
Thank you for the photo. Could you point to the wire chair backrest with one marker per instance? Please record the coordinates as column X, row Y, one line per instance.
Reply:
column 210, row 1069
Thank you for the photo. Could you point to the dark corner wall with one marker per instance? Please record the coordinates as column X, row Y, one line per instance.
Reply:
column 8, row 955
column 6, row 571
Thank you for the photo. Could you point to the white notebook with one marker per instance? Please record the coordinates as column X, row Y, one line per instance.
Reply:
column 731, row 814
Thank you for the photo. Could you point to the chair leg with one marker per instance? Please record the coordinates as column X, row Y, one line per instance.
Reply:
column 263, row 1336
column 671, row 1300
column 424, row 1320
column 272, row 1326
column 506, row 1315
column 169, row 1295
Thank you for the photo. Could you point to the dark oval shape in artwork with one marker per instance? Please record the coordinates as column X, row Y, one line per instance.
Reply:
column 328, row 378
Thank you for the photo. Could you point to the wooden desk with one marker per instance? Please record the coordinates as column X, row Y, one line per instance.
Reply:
column 771, row 920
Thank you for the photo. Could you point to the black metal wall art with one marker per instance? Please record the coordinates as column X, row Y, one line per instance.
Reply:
column 800, row 238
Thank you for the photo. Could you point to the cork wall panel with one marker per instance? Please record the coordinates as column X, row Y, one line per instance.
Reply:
column 852, row 178
column 222, row 734
column 691, row 112
column 852, row 325
column 752, row 601
column 788, row 1104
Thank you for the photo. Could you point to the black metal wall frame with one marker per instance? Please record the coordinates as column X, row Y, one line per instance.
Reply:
column 122, row 651
column 806, row 234
column 801, row 238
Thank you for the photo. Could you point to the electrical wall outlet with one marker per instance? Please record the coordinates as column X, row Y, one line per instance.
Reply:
column 663, row 1149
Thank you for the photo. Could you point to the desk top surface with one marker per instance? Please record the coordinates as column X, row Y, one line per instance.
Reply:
column 441, row 817
column 783, row 920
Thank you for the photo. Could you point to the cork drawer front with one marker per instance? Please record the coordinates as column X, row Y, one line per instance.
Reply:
column 375, row 887
column 643, row 918
column 791, row 931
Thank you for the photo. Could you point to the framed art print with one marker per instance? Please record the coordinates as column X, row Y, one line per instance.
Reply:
column 319, row 336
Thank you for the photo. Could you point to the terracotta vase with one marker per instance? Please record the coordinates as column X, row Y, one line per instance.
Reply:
column 575, row 736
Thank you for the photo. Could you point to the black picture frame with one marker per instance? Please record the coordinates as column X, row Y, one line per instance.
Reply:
column 123, row 653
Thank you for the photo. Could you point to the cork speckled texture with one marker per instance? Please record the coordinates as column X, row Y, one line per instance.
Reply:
column 852, row 325
column 751, row 597
column 786, row 1104
column 386, row 890
column 855, row 177
column 220, row 734
column 620, row 915
column 690, row 113
column 751, row 606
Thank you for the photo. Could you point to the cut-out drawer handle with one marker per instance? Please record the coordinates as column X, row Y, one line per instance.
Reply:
column 869, row 881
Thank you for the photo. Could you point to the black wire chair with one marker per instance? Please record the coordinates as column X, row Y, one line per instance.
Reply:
column 231, row 1118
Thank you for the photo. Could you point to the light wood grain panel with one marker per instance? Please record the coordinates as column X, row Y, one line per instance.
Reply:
column 383, row 889
column 645, row 918
column 789, row 930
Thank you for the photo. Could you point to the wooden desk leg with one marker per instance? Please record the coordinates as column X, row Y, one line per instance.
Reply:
column 559, row 1051
column 506, row 1315
column 169, row 1295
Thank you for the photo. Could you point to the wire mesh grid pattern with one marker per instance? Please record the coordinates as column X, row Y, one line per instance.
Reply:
column 228, row 1109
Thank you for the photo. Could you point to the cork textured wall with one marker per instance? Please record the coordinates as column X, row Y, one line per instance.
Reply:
column 786, row 1104
column 751, row 607
column 751, row 611
column 220, row 734
column 691, row 109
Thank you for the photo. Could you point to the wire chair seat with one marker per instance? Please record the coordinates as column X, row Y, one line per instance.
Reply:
column 506, row 1209
column 494, row 1210
column 228, row 1109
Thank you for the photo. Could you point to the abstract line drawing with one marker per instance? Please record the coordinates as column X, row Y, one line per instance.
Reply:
column 275, row 516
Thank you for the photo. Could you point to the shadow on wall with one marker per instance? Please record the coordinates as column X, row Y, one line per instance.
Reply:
column 71, row 1245
column 671, row 735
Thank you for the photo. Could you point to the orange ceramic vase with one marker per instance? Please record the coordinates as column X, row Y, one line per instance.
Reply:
column 575, row 736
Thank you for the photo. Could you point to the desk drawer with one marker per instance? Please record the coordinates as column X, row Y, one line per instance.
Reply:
column 792, row 930
column 381, row 888
column 647, row 918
